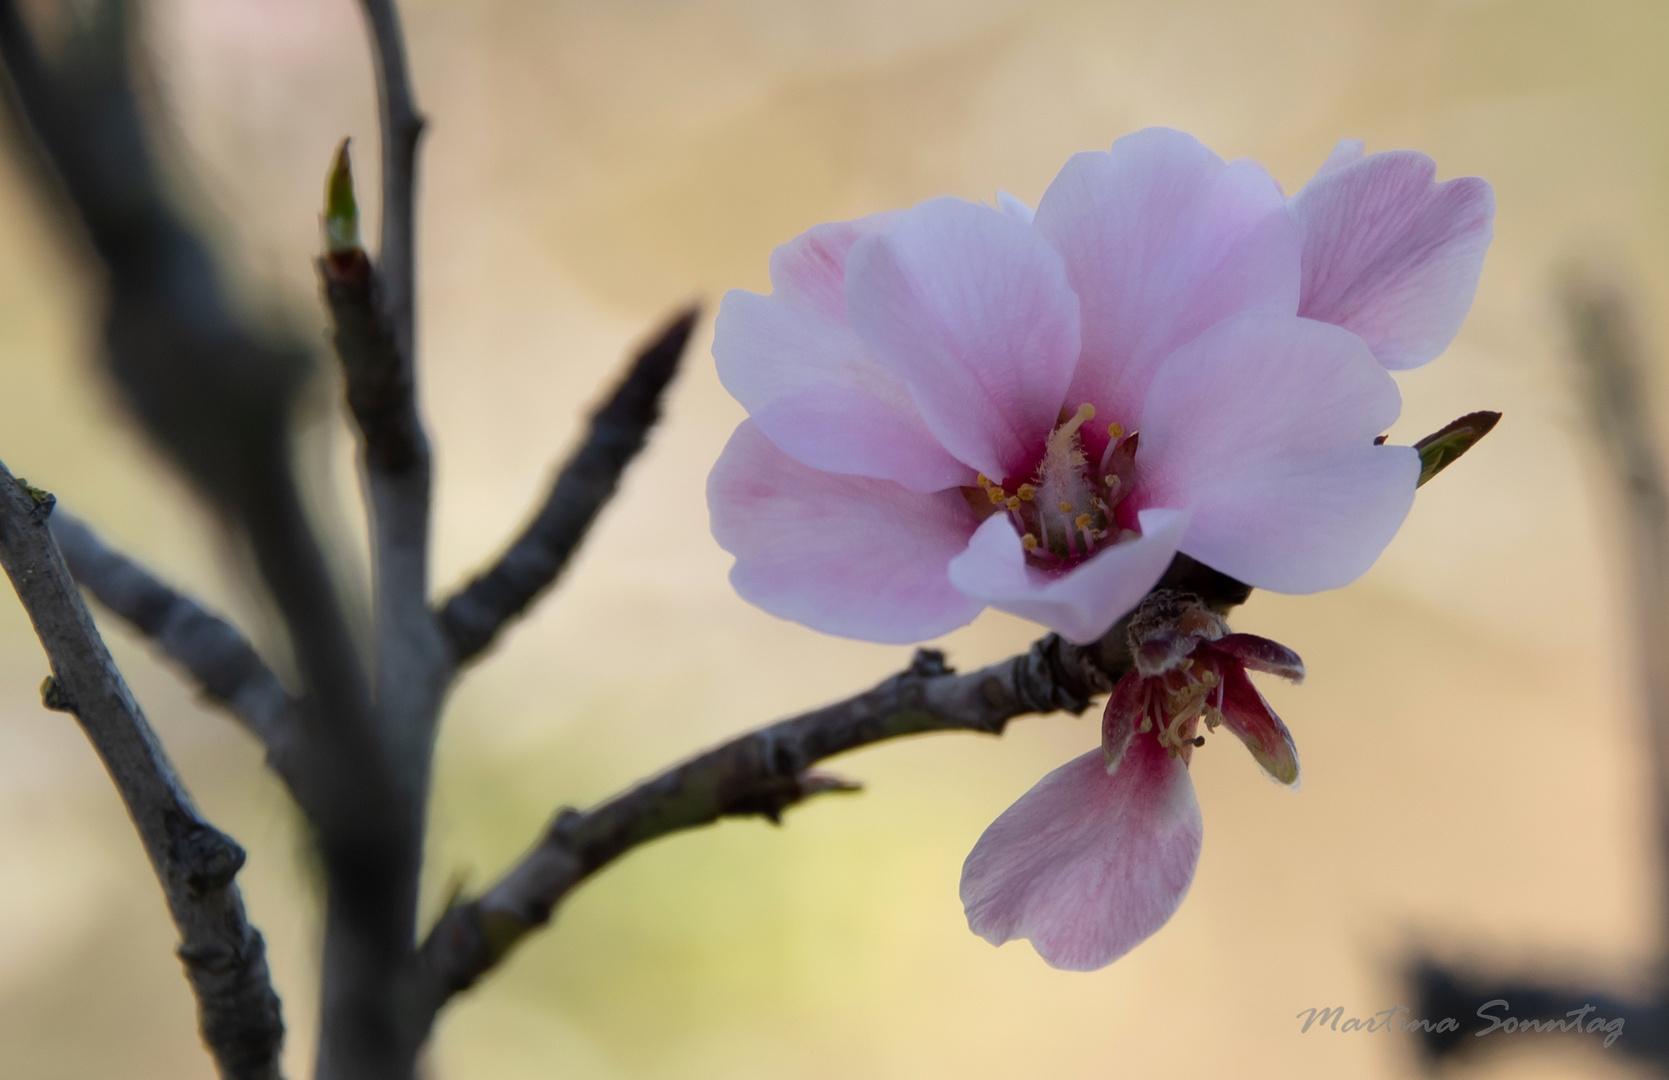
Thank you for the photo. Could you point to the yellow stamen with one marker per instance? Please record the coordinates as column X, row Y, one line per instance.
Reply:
column 981, row 481
column 996, row 494
column 1028, row 541
column 1115, row 432
column 1082, row 522
column 1066, row 507
column 1013, row 502
column 1026, row 492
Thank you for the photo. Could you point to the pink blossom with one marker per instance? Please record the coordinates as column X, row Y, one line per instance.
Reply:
column 955, row 406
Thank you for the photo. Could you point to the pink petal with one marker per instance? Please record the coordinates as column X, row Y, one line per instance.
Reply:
column 1392, row 255
column 1261, row 654
column 845, row 555
column 794, row 362
column 971, row 309
column 1014, row 208
column 1087, row 865
column 1264, row 426
column 1249, row 716
column 1081, row 604
column 1125, row 707
column 1161, row 240
column 1345, row 152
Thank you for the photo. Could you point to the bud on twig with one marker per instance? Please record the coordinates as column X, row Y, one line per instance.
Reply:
column 341, row 217
column 1442, row 447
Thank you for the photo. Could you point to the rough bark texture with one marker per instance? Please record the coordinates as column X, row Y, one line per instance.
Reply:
column 224, row 956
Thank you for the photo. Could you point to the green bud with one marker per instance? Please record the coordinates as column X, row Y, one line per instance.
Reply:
column 341, row 210
column 1440, row 449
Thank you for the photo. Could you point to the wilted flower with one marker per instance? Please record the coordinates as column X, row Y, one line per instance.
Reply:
column 1098, row 855
column 956, row 406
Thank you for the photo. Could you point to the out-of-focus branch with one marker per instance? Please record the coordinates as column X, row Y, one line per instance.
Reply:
column 1439, row 991
column 619, row 429
column 402, row 127
column 219, row 399
column 221, row 660
column 1613, row 386
column 766, row 771
column 1605, row 345
column 224, row 956
column 380, row 379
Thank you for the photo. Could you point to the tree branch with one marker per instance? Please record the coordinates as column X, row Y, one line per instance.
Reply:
column 219, row 399
column 223, row 663
column 619, row 429
column 766, row 771
column 224, row 957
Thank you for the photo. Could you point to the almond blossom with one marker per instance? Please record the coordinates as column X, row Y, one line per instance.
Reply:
column 957, row 406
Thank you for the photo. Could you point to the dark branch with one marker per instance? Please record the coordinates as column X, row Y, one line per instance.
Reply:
column 766, row 771
column 402, row 126
column 1441, row 991
column 226, row 666
column 224, row 956
column 371, row 306
column 619, row 429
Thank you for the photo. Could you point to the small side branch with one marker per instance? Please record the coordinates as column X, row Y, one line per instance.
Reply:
column 473, row 617
column 766, row 771
column 224, row 956
column 220, row 659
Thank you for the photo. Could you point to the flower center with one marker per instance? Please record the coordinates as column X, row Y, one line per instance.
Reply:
column 1178, row 701
column 1066, row 510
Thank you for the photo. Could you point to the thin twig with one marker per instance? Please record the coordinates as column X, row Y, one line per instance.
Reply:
column 766, row 771
column 373, row 308
column 619, row 429
column 221, row 660
column 224, row 956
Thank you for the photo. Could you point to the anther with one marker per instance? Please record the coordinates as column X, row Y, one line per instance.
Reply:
column 1115, row 431
column 1082, row 521
column 1066, row 507
column 1029, row 542
column 1013, row 502
column 996, row 494
column 982, row 481
column 1026, row 492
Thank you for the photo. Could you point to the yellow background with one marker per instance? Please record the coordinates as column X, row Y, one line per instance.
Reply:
column 1474, row 772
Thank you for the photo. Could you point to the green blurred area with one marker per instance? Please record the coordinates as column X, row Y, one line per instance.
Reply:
column 1469, row 732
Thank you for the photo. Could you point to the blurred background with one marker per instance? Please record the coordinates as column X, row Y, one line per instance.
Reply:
column 1475, row 777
